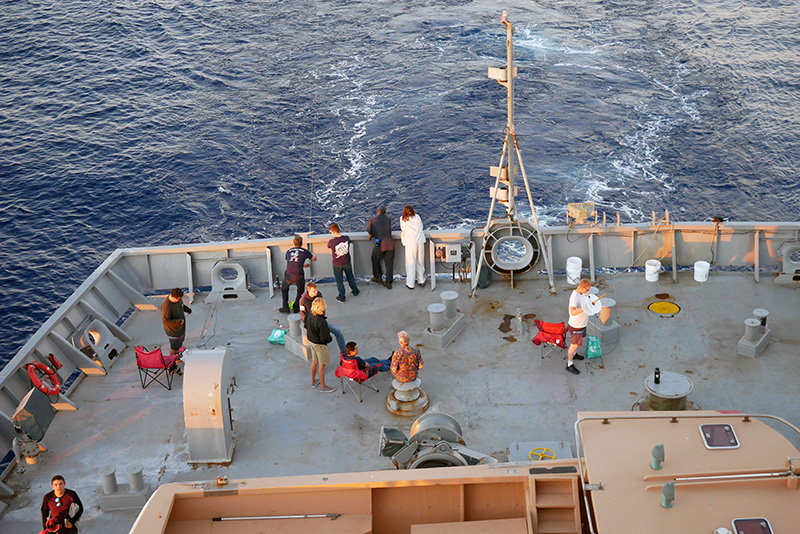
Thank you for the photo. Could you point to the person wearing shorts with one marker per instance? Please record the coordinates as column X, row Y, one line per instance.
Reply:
column 173, row 317
column 576, row 326
column 319, row 335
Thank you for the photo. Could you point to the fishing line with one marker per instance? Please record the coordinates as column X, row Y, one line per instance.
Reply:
column 313, row 160
column 203, row 343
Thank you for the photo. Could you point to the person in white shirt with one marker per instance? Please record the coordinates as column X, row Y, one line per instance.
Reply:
column 576, row 325
column 413, row 238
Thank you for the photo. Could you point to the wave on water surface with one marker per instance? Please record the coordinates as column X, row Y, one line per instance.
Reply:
column 133, row 124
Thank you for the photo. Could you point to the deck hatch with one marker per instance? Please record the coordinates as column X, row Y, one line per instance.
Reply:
column 664, row 309
column 719, row 436
column 755, row 525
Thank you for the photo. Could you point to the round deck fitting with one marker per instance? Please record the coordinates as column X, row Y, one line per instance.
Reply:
column 670, row 393
column 407, row 399
column 664, row 308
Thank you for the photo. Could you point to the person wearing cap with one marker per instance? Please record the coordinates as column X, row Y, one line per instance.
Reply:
column 576, row 325
column 380, row 232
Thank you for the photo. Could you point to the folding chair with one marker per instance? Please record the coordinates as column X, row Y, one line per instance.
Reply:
column 155, row 366
column 551, row 336
column 357, row 380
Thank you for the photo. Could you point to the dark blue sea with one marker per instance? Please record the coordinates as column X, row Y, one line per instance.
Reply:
column 139, row 122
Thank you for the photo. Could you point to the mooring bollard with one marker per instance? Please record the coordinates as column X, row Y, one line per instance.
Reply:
column 760, row 314
column 108, row 474
column 436, row 311
column 752, row 329
column 135, row 478
column 450, row 301
column 294, row 325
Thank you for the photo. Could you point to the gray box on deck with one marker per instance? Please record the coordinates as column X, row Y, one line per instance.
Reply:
column 34, row 414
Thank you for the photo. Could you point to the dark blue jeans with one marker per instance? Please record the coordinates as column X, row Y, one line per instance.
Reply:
column 380, row 365
column 376, row 365
column 345, row 271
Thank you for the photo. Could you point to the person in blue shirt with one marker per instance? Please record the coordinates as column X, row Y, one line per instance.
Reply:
column 295, row 261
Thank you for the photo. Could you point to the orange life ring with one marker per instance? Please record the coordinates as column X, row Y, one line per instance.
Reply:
column 36, row 378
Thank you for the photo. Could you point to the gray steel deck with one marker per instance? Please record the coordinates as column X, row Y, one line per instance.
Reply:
column 500, row 390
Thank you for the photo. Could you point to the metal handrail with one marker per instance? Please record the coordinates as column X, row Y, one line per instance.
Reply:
column 579, row 445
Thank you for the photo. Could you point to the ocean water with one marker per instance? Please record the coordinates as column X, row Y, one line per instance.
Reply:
column 131, row 123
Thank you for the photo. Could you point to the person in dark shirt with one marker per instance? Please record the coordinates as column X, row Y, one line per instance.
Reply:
column 173, row 318
column 61, row 508
column 295, row 261
column 370, row 365
column 380, row 232
column 311, row 294
column 319, row 335
column 342, row 268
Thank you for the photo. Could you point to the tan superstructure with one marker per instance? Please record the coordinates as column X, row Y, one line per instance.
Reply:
column 755, row 480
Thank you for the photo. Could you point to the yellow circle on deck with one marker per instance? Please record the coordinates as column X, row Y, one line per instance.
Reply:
column 664, row 308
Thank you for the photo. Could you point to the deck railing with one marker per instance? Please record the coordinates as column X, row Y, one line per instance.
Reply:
column 135, row 278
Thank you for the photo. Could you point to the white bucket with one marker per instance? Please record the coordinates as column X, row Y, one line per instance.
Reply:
column 574, row 266
column 651, row 270
column 701, row 271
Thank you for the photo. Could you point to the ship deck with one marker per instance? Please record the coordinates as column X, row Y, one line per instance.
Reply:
column 495, row 383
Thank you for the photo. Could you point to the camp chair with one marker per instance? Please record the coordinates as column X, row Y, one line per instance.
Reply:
column 155, row 366
column 551, row 336
column 355, row 379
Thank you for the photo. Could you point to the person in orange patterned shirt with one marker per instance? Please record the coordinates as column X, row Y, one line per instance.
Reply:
column 406, row 361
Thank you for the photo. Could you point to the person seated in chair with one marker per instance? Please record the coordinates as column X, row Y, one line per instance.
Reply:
column 371, row 365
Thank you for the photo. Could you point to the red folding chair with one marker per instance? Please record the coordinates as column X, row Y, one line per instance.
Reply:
column 355, row 379
column 155, row 366
column 551, row 336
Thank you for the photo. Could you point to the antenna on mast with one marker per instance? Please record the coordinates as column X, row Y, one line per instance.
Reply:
column 503, row 233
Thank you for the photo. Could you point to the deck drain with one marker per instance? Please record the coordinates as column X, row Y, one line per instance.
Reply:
column 664, row 309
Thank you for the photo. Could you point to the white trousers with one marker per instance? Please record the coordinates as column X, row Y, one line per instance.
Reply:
column 415, row 258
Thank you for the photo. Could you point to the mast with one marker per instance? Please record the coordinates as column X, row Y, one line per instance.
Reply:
column 511, row 207
column 504, row 189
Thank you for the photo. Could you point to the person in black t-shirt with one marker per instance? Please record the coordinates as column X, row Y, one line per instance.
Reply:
column 342, row 268
column 295, row 260
column 380, row 232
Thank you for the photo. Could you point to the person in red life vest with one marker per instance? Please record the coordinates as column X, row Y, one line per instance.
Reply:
column 61, row 508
